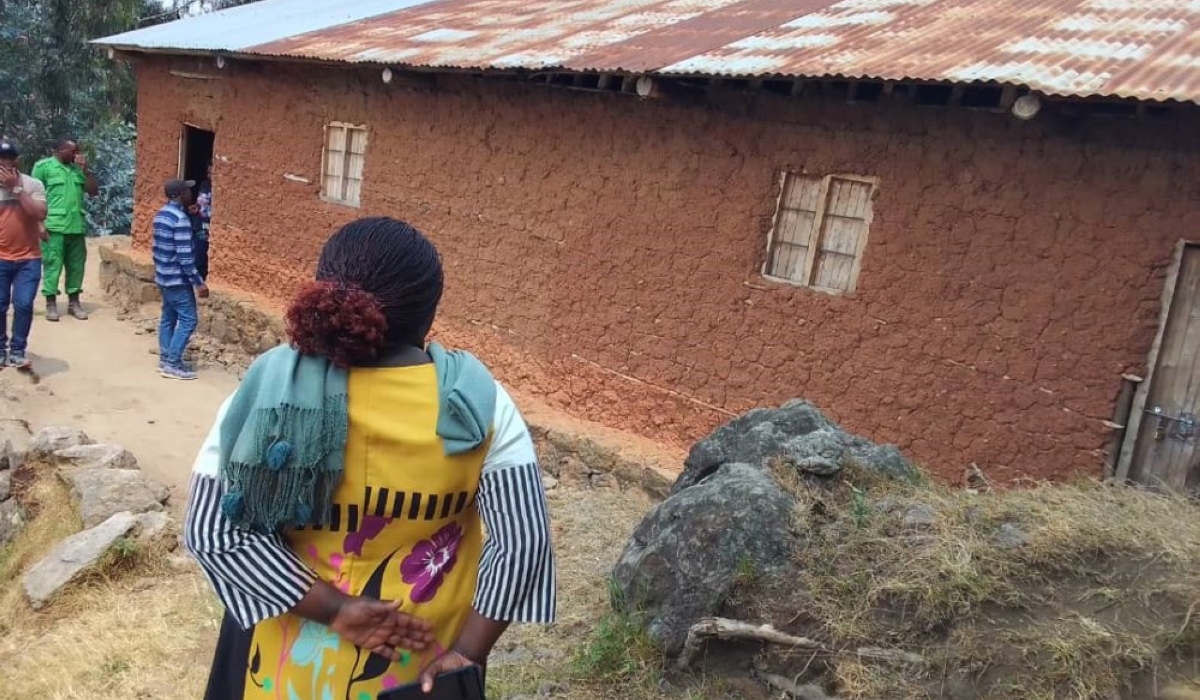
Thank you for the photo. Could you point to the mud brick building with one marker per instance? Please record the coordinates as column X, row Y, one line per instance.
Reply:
column 952, row 225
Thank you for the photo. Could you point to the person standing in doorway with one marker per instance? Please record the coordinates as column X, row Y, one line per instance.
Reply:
column 67, row 181
column 203, row 222
column 178, row 281
column 22, row 209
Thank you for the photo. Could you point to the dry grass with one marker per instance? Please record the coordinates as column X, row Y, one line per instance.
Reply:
column 590, row 653
column 55, row 519
column 135, row 628
column 119, row 639
column 142, row 629
column 1107, row 583
column 1105, row 586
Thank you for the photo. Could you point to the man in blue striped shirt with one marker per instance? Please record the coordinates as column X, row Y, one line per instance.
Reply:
column 178, row 281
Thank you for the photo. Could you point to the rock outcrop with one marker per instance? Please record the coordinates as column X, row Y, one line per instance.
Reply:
column 95, row 456
column 12, row 520
column 54, row 438
column 154, row 526
column 73, row 557
column 14, row 445
column 115, row 500
column 104, row 479
column 101, row 493
column 798, row 435
column 728, row 517
column 683, row 560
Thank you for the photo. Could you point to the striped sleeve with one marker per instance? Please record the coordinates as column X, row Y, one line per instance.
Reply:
column 256, row 576
column 184, row 255
column 516, row 571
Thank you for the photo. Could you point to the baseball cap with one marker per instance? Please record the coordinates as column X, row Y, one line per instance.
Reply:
column 174, row 188
column 8, row 150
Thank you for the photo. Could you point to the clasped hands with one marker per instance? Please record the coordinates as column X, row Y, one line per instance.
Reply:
column 380, row 627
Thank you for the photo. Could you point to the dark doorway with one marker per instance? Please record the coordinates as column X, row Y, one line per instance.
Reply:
column 195, row 158
column 195, row 153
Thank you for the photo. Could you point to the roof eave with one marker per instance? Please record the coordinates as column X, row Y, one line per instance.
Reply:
column 653, row 72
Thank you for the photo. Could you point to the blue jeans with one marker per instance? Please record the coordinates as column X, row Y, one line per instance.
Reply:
column 178, row 322
column 18, row 285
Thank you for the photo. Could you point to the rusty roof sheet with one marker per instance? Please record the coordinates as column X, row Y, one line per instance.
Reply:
column 1143, row 49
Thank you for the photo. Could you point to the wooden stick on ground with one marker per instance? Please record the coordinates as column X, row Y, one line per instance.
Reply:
column 738, row 631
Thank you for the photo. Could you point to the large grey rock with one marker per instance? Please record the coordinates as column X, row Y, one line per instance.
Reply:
column 103, row 492
column 687, row 554
column 95, row 457
column 727, row 515
column 54, row 438
column 797, row 434
column 14, row 443
column 12, row 520
column 5, row 485
column 73, row 557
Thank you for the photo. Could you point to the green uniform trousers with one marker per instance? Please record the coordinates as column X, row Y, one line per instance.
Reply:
column 63, row 251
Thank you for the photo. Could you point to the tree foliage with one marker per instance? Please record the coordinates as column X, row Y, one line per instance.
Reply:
column 54, row 84
column 184, row 8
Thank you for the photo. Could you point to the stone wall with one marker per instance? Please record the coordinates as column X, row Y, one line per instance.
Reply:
column 238, row 325
column 604, row 252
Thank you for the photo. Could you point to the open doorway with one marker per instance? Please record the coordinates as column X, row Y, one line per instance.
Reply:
column 195, row 158
column 195, row 153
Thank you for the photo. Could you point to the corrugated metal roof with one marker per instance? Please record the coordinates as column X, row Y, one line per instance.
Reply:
column 241, row 28
column 1144, row 49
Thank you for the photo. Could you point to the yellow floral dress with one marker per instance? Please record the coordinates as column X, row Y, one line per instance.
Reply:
column 407, row 524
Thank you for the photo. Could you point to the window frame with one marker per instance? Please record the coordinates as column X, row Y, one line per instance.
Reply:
column 347, row 128
column 814, row 245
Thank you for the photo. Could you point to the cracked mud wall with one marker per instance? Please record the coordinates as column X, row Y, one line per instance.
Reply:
column 1012, row 273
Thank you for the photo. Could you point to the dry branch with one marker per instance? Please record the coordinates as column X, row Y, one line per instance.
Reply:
column 738, row 631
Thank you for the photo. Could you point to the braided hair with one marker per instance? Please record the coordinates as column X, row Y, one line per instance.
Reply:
column 378, row 284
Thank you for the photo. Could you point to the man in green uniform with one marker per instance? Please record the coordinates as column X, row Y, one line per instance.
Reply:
column 67, row 180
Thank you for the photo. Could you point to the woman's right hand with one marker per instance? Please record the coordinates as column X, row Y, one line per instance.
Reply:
column 379, row 626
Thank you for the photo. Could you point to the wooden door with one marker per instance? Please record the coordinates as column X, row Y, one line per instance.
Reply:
column 1166, row 452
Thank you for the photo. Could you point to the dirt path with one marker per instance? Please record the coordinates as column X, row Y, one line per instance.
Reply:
column 99, row 375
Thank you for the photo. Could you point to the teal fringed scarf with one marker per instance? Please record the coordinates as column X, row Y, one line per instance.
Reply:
column 466, row 399
column 283, row 439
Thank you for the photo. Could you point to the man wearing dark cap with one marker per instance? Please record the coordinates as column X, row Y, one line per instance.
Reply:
column 178, row 281
column 22, row 210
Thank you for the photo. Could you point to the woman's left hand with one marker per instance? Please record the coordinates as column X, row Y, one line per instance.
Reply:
column 447, row 662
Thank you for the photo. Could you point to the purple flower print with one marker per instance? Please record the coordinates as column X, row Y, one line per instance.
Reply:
column 371, row 526
column 426, row 567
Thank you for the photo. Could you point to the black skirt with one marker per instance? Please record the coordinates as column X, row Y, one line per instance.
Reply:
column 227, row 679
